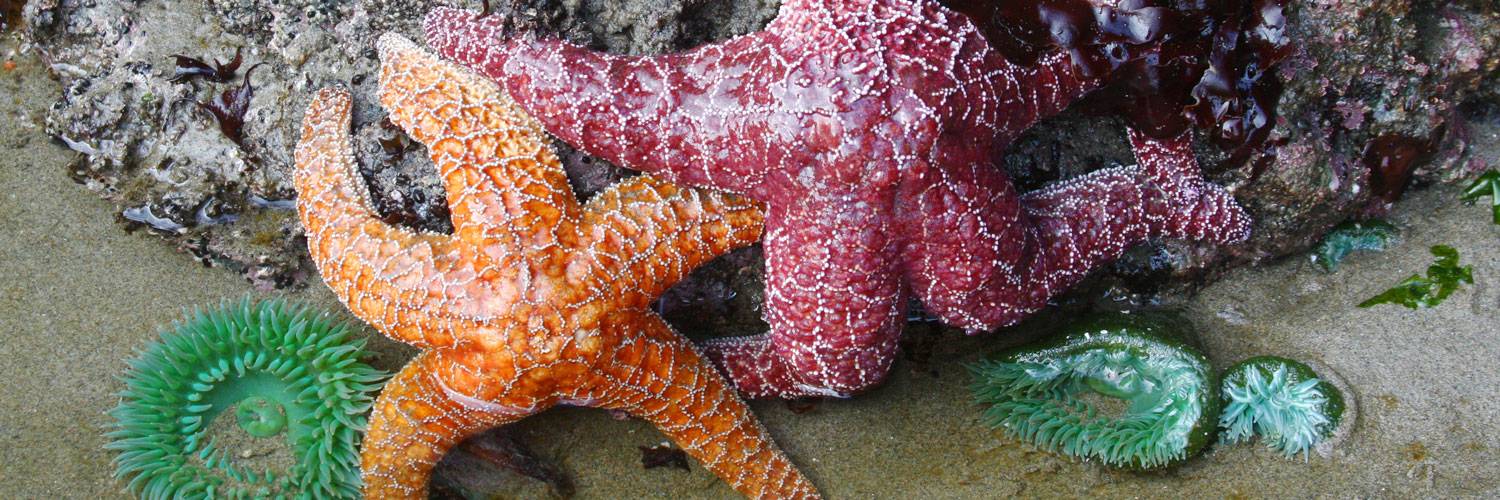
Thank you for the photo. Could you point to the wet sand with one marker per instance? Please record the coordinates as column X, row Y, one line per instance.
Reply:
column 78, row 296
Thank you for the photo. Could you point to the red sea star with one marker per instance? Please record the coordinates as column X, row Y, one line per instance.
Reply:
column 534, row 300
column 867, row 128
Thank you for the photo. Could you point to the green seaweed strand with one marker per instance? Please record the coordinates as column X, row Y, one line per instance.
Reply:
column 1282, row 401
column 1488, row 184
column 1442, row 279
column 285, row 369
column 1039, row 394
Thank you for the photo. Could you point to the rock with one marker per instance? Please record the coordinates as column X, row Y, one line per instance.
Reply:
column 144, row 144
column 1422, row 72
column 1415, row 71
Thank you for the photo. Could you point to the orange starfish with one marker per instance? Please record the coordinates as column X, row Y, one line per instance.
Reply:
column 534, row 300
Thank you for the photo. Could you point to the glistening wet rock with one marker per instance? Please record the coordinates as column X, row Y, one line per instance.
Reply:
column 1358, row 71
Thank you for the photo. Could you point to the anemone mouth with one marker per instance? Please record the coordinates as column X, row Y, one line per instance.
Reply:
column 1282, row 401
column 1049, row 396
column 291, row 378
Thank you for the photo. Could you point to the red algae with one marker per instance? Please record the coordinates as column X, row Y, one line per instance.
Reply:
column 1175, row 64
column 1391, row 159
column 228, row 108
column 188, row 67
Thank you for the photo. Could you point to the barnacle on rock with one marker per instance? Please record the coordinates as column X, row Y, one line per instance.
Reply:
column 10, row 17
column 290, row 376
column 479, row 458
column 1282, row 401
column 1125, row 390
column 663, row 455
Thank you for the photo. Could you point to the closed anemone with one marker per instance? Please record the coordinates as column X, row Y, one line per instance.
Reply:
column 1282, row 401
column 250, row 399
column 1124, row 390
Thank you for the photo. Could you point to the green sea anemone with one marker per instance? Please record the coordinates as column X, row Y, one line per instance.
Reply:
column 1282, row 401
column 292, row 379
column 1349, row 237
column 1125, row 390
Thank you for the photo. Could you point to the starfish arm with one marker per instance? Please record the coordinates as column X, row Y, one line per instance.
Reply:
column 385, row 275
column 834, row 300
column 659, row 376
column 648, row 234
column 1021, row 253
column 1052, row 84
column 1079, row 224
column 418, row 417
column 695, row 118
column 1015, row 97
column 984, row 280
column 494, row 161
column 1202, row 211
column 966, row 257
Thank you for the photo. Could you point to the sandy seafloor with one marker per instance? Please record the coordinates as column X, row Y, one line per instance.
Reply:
column 78, row 296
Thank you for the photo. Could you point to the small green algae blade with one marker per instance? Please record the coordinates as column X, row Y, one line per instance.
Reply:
column 1443, row 278
column 1488, row 184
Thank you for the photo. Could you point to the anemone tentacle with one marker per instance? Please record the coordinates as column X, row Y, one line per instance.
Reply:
column 1037, row 394
column 284, row 369
column 1282, row 401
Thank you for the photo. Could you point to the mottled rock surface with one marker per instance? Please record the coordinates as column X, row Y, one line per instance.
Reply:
column 1421, row 73
column 145, row 144
column 1414, row 73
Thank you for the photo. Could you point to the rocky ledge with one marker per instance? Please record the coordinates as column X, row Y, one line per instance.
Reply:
column 1377, row 96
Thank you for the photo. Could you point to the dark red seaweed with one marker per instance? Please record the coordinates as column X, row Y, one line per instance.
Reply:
column 229, row 107
column 191, row 67
column 663, row 455
column 1172, row 64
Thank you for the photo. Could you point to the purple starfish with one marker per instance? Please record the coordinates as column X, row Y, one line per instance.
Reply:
column 867, row 128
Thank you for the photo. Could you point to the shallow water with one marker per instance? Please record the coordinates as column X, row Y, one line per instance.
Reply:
column 78, row 296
